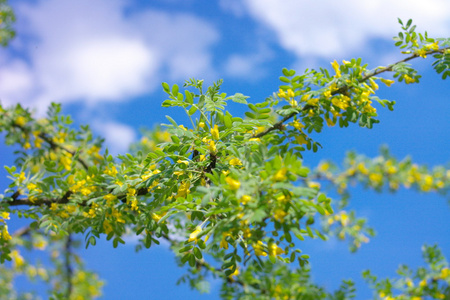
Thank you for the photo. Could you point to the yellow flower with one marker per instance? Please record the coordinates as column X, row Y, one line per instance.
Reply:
column 131, row 192
column 422, row 53
column 387, row 81
column 373, row 84
column 4, row 215
column 193, row 236
column 223, row 242
column 182, row 127
column 183, row 162
column 245, row 199
column 274, row 250
column 279, row 215
column 297, row 125
column 156, row 217
column 409, row 283
column 259, row 249
column 215, row 132
column 445, row 273
column 423, row 283
column 281, row 94
column 313, row 102
column 4, row 233
column 433, row 46
column 235, row 162
column 341, row 102
column 201, row 124
column 111, row 171
column 233, row 184
column 21, row 177
column 375, row 178
column 17, row 259
column 344, row 219
column 212, row 147
column 335, row 66
column 408, row 79
column 290, row 93
column 235, row 273
column 280, row 175
column 134, row 205
column 362, row 169
column 183, row 190
column 66, row 162
column 20, row 120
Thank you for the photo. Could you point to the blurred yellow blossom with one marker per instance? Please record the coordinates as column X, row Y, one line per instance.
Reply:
column 233, row 184
column 193, row 236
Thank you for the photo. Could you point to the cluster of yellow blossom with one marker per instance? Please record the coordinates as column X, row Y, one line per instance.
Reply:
column 233, row 184
column 60, row 137
column 84, row 186
column 111, row 171
column 381, row 170
column 235, row 162
column 94, row 151
column 183, row 190
column 279, row 214
column 193, row 236
column 300, row 138
column 215, row 132
column 336, row 69
column 17, row 260
column 245, row 199
column 272, row 249
column 408, row 79
column 4, row 233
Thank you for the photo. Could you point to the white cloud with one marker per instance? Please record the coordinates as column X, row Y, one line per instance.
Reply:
column 15, row 82
column 117, row 136
column 91, row 51
column 328, row 28
column 248, row 66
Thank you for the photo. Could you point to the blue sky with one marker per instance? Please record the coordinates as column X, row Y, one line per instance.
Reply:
column 105, row 61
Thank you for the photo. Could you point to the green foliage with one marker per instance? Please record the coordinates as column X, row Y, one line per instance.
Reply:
column 230, row 194
column 7, row 18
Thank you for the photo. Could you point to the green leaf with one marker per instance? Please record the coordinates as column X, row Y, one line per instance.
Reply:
column 185, row 258
column 175, row 139
column 292, row 258
column 227, row 121
column 198, row 253
column 284, row 79
column 239, row 98
column 192, row 260
column 322, row 198
column 285, row 72
column 189, row 97
column 175, row 90
column 250, row 115
column 192, row 110
column 172, row 121
column 310, row 233
column 166, row 87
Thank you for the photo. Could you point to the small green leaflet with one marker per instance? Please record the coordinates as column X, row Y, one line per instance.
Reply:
column 239, row 98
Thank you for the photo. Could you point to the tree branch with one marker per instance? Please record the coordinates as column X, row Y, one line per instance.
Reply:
column 279, row 124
